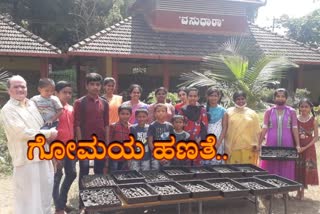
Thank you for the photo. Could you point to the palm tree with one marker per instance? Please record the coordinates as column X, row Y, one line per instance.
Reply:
column 230, row 70
column 4, row 75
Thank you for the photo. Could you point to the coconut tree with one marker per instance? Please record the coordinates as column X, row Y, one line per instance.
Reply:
column 230, row 70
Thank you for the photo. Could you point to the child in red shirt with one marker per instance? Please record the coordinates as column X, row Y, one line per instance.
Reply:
column 119, row 132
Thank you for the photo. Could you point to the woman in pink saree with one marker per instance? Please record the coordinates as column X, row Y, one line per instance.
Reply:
column 135, row 103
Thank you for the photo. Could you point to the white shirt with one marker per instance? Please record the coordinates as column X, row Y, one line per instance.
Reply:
column 22, row 122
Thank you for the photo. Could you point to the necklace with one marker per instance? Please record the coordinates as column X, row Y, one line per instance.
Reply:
column 304, row 119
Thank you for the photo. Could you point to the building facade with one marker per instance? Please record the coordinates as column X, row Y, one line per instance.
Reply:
column 166, row 38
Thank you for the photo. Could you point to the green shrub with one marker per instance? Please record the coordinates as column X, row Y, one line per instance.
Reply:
column 299, row 94
column 5, row 159
column 317, row 112
column 66, row 75
column 172, row 96
column 261, row 116
column 267, row 95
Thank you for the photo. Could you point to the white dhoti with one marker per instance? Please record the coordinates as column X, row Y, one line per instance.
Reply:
column 33, row 185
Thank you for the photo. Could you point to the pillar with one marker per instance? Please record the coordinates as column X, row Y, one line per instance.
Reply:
column 44, row 68
column 166, row 75
column 115, row 75
column 300, row 77
column 108, row 66
column 81, row 79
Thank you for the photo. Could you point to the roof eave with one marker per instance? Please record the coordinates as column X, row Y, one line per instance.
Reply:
column 40, row 55
column 138, row 56
column 302, row 62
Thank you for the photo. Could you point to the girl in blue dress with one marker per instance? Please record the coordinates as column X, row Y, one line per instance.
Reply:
column 218, row 121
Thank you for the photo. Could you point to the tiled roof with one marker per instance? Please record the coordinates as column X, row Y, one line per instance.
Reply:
column 17, row 41
column 271, row 43
column 134, row 38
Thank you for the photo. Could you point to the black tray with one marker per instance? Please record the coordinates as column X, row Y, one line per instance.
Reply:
column 267, row 189
column 97, row 181
column 129, row 176
column 249, row 170
column 213, row 191
column 289, row 186
column 134, row 200
column 203, row 172
column 278, row 153
column 185, row 175
column 183, row 195
column 96, row 198
column 241, row 192
column 232, row 171
column 155, row 176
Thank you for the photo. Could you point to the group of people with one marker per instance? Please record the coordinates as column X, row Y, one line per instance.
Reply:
column 237, row 129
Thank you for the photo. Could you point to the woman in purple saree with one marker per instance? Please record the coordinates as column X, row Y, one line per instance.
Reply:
column 281, row 129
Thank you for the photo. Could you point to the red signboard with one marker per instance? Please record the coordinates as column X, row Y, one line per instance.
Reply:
column 197, row 23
